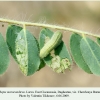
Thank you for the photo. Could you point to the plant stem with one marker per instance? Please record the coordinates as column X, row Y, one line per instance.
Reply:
column 47, row 26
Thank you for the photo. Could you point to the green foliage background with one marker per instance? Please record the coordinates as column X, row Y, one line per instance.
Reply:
column 80, row 15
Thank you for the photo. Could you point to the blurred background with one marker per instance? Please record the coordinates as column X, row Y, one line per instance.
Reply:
column 79, row 15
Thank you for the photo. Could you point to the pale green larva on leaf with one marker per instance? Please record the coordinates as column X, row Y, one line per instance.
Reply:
column 51, row 44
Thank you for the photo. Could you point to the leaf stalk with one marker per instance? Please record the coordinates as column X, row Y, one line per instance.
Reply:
column 47, row 26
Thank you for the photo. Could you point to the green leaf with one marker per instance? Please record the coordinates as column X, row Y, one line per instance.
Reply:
column 4, row 55
column 24, row 49
column 91, row 54
column 58, row 55
column 76, row 52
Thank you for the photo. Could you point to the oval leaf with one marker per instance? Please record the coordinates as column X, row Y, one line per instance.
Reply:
column 24, row 49
column 4, row 55
column 91, row 54
column 59, row 56
column 76, row 52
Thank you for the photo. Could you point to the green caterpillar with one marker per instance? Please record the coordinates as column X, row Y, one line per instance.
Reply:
column 51, row 44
